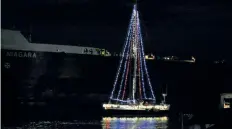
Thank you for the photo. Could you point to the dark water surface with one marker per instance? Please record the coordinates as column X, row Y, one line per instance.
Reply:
column 104, row 123
column 48, row 96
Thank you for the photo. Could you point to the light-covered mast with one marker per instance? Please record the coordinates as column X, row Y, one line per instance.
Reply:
column 135, row 53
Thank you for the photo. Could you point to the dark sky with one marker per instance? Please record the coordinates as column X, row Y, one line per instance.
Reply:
column 194, row 27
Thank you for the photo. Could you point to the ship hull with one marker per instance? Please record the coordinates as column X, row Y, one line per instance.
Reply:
column 134, row 113
column 45, row 79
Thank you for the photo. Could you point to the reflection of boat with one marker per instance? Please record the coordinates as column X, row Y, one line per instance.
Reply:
column 132, row 90
column 135, row 122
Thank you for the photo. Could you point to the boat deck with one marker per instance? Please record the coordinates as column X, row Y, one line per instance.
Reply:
column 155, row 107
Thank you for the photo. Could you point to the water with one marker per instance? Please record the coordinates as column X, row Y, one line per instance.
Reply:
column 105, row 123
column 135, row 123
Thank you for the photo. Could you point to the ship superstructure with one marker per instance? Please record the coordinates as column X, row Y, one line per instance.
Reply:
column 14, row 40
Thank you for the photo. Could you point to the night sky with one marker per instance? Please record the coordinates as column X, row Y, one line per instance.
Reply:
column 171, row 27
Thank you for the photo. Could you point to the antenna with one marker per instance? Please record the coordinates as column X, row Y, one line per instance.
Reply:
column 165, row 94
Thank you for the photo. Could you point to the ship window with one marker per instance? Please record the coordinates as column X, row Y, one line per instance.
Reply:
column 227, row 102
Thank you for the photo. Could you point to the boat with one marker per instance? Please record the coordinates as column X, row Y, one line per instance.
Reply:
column 132, row 96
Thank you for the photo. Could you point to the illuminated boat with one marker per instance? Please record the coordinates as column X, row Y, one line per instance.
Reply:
column 132, row 91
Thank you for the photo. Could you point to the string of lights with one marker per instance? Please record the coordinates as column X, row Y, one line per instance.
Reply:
column 142, row 76
column 134, row 48
column 124, row 70
column 149, row 99
column 144, row 62
column 141, row 59
column 139, row 73
column 127, row 55
column 120, row 64
column 126, row 101
column 137, row 53
column 128, row 67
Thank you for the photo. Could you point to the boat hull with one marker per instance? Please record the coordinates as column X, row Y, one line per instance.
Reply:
column 133, row 113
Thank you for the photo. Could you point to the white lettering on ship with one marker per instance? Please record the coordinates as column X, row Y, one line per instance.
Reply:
column 22, row 54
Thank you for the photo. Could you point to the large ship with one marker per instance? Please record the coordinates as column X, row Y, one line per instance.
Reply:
column 39, row 76
column 25, row 59
column 132, row 91
column 39, row 72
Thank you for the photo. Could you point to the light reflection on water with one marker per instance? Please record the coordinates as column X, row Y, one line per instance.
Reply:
column 105, row 123
column 135, row 123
